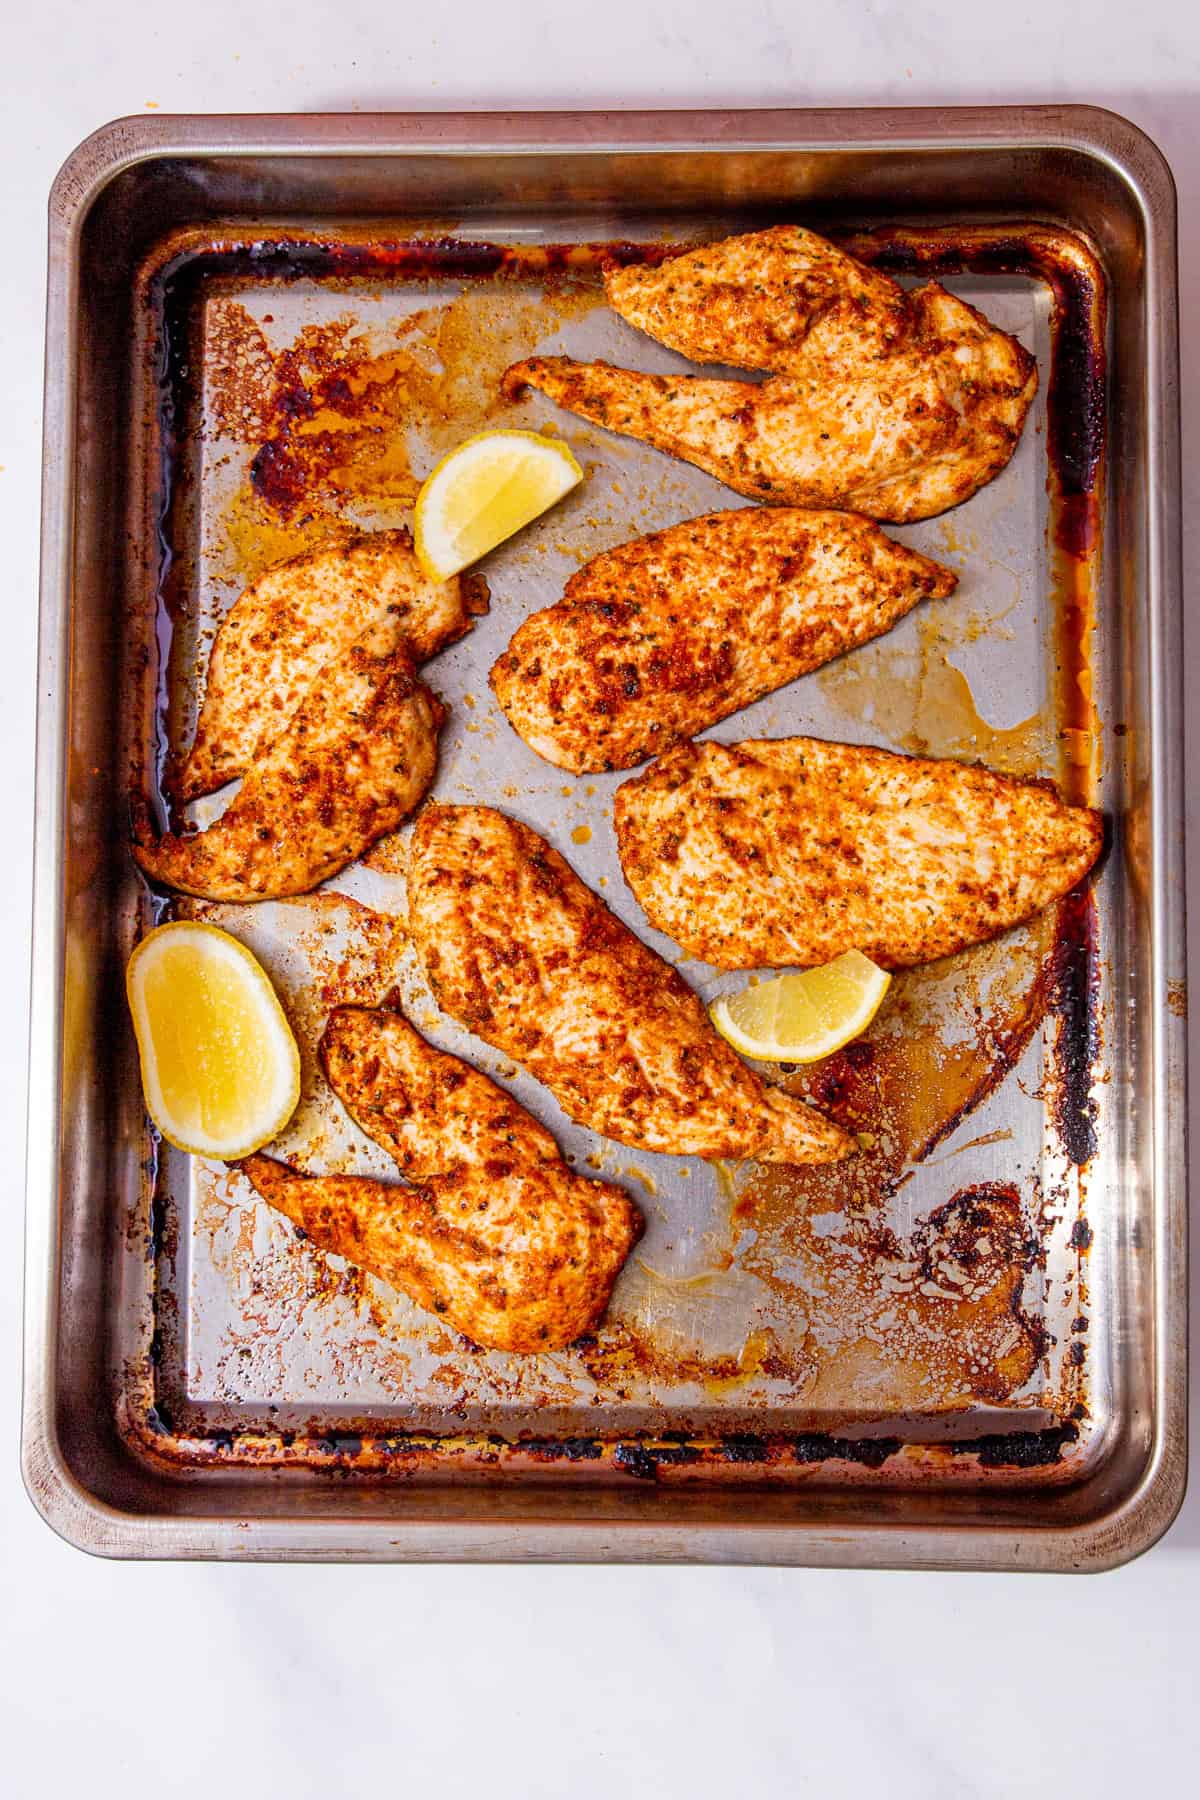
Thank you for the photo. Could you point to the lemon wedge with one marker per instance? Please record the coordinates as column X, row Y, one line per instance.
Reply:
column 806, row 1015
column 220, row 1067
column 483, row 492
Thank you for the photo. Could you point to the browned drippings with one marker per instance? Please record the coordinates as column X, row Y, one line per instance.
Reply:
column 336, row 421
column 253, row 536
column 911, row 1324
column 920, row 702
column 1074, row 576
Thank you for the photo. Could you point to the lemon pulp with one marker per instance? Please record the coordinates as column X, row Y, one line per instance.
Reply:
column 806, row 1014
column 483, row 492
column 220, row 1067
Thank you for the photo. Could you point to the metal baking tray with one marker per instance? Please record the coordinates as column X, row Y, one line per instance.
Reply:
column 967, row 1349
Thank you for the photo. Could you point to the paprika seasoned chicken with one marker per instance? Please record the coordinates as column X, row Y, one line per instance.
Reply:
column 789, row 852
column 893, row 404
column 297, row 619
column 522, row 953
column 495, row 1234
column 354, row 759
column 657, row 639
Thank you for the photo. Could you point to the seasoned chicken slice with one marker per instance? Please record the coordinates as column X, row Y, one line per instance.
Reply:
column 754, row 301
column 891, row 404
column 352, row 762
column 497, row 1235
column 512, row 1246
column 295, row 620
column 789, row 852
column 526, row 956
column 657, row 639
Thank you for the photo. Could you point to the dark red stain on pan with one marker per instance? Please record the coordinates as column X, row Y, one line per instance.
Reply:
column 278, row 477
column 283, row 479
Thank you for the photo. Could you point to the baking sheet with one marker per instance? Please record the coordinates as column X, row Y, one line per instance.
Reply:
column 934, row 1286
column 146, row 219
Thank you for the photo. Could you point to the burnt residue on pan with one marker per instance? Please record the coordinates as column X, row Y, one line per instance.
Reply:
column 1017, row 1449
column 290, row 257
column 643, row 1461
column 336, row 422
column 816, row 1457
column 868, row 1453
column 924, row 1321
column 919, row 1323
column 1074, row 999
column 565, row 1449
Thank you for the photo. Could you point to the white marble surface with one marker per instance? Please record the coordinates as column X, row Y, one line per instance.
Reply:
column 140, row 1679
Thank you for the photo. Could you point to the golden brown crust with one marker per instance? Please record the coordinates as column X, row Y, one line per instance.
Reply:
column 354, row 760
column 496, row 1235
column 295, row 620
column 525, row 955
column 891, row 404
column 754, row 301
column 657, row 639
column 791, row 851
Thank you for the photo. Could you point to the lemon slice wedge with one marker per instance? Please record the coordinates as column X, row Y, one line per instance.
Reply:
column 220, row 1067
column 803, row 1016
column 483, row 492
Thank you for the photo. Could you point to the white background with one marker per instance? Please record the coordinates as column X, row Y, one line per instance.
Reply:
column 137, row 1679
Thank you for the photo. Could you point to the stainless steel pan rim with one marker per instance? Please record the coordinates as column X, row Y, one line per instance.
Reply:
column 532, row 1533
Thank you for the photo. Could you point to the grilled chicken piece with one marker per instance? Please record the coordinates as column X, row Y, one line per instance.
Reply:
column 526, row 956
column 499, row 1236
column 789, row 852
column 511, row 1245
column 755, row 301
column 892, row 404
column 657, row 639
column 294, row 621
column 351, row 763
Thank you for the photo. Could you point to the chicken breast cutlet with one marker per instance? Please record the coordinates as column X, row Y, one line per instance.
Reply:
column 491, row 1230
column 789, row 852
column 518, row 1251
column 891, row 404
column 295, row 620
column 354, row 760
column 520, row 951
column 756, row 301
column 657, row 639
